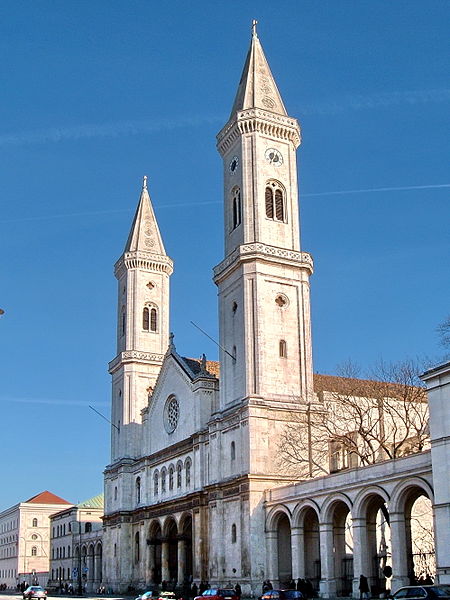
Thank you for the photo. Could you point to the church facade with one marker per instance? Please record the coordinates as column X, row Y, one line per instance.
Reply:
column 195, row 443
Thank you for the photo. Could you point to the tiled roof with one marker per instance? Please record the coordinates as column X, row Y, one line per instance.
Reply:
column 325, row 383
column 195, row 364
column 95, row 502
column 47, row 498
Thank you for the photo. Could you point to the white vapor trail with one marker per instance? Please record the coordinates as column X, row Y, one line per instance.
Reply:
column 119, row 128
column 78, row 132
column 209, row 202
column 380, row 100
column 53, row 402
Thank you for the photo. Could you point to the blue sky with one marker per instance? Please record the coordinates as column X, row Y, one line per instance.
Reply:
column 96, row 94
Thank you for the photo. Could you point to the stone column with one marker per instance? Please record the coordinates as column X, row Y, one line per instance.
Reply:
column 165, row 575
column 151, row 562
column 91, row 571
column 328, row 581
column 361, row 560
column 181, row 561
column 399, row 551
column 298, row 552
column 98, row 569
column 272, row 556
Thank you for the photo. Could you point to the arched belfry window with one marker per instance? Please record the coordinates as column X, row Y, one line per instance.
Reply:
column 123, row 321
column 275, row 201
column 236, row 207
column 153, row 319
column 145, row 319
column 283, row 349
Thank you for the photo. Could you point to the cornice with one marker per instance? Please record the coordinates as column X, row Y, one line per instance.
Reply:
column 257, row 120
column 256, row 250
column 148, row 261
column 134, row 356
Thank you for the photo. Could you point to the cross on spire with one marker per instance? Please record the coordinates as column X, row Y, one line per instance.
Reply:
column 254, row 24
column 144, row 182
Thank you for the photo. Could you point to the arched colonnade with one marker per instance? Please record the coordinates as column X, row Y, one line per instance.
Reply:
column 331, row 539
column 90, row 564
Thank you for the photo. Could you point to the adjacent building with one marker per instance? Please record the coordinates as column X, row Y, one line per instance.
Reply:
column 76, row 546
column 25, row 541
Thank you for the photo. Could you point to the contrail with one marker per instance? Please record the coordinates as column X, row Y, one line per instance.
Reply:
column 382, row 189
column 210, row 202
column 381, row 100
column 53, row 402
column 78, row 132
column 136, row 127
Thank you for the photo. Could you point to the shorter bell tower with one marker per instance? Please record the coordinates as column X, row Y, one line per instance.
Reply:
column 143, row 272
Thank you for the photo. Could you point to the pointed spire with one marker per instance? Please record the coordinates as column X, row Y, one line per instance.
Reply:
column 144, row 234
column 257, row 87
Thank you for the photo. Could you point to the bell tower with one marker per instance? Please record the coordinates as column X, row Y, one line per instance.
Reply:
column 142, row 272
column 263, row 281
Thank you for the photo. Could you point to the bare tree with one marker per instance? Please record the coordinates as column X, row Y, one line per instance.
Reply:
column 443, row 330
column 357, row 421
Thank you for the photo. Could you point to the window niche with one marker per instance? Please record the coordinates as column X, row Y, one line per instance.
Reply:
column 236, row 208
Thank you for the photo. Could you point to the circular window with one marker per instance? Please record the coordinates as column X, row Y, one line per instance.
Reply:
column 34, row 537
column 171, row 414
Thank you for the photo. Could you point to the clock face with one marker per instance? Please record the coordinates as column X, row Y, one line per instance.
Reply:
column 234, row 164
column 274, row 157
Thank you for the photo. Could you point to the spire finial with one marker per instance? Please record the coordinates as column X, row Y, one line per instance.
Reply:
column 254, row 24
column 144, row 182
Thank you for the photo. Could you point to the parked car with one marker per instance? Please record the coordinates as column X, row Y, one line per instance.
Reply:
column 166, row 596
column 282, row 595
column 422, row 592
column 218, row 594
column 34, row 591
column 145, row 596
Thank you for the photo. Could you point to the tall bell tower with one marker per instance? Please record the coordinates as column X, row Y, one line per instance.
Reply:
column 263, row 281
column 143, row 272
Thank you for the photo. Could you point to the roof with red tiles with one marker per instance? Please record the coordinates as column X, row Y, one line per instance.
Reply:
column 47, row 497
column 327, row 383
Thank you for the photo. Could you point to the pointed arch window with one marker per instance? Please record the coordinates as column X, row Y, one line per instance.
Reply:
column 145, row 319
column 171, row 473
column 236, row 207
column 34, row 551
column 153, row 319
column 275, row 201
column 179, row 469
column 163, row 481
column 188, row 472
column 155, row 483
column 283, row 349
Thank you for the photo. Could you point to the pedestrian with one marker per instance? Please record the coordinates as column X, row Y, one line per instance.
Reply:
column 194, row 590
column 238, row 590
column 363, row 587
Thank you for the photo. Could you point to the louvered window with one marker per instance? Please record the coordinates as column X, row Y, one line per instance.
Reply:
column 269, row 203
column 153, row 319
column 275, row 202
column 145, row 319
column 237, row 211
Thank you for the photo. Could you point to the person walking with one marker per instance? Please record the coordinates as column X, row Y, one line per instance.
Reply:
column 363, row 587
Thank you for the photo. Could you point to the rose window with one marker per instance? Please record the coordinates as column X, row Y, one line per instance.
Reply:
column 172, row 414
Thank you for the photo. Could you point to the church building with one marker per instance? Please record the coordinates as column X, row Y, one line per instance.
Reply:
column 195, row 443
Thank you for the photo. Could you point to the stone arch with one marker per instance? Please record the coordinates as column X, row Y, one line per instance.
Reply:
column 185, row 558
column 336, row 514
column 407, row 495
column 170, row 549
column 274, row 514
column 371, row 527
column 306, row 518
column 279, row 526
column 154, row 542
column 403, row 490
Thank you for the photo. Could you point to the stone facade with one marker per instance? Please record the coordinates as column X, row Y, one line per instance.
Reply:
column 190, row 490
column 76, row 546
